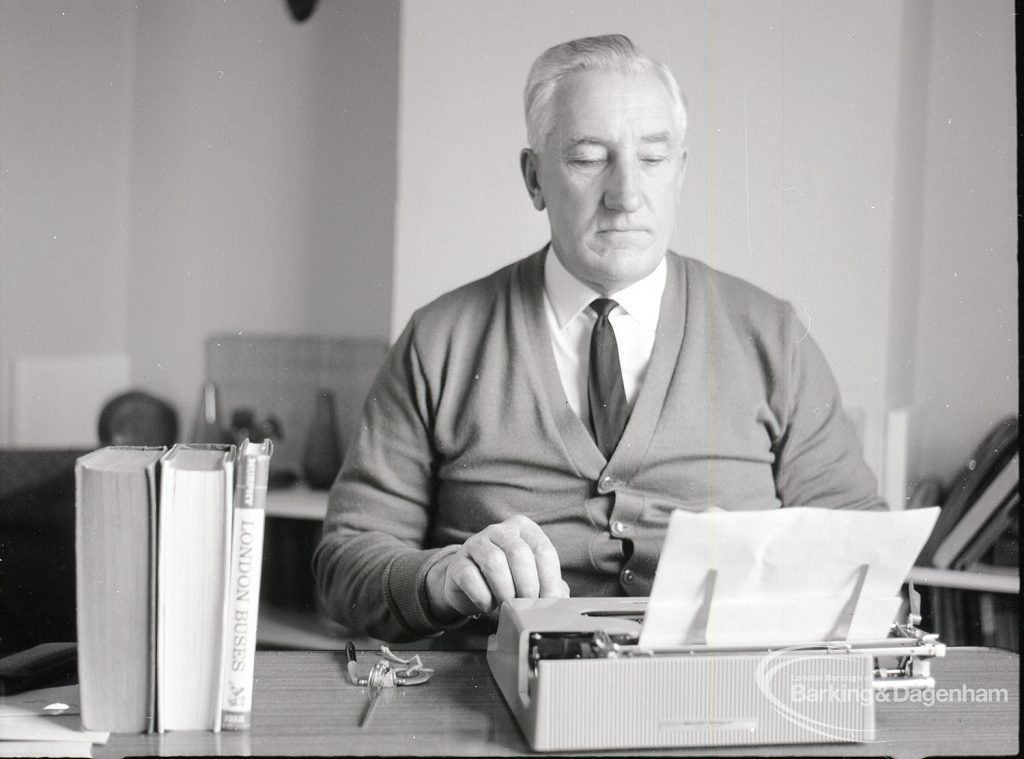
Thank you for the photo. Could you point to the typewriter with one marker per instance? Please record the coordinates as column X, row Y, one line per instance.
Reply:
column 576, row 678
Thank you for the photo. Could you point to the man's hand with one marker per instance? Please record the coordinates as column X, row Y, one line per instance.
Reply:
column 513, row 559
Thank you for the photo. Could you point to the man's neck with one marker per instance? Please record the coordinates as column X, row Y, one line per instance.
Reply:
column 568, row 295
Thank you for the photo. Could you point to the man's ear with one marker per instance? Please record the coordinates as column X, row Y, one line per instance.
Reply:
column 528, row 164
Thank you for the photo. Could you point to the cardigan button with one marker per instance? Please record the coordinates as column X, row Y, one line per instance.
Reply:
column 618, row 527
column 628, row 577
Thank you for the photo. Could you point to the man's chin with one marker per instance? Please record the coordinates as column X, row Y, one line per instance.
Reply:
column 627, row 254
column 621, row 267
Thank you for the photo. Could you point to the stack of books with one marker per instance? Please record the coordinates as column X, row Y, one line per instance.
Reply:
column 978, row 530
column 168, row 557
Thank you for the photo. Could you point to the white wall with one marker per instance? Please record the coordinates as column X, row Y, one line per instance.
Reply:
column 65, row 130
column 792, row 152
column 263, row 176
column 175, row 169
column 823, row 167
column 172, row 169
column 966, row 369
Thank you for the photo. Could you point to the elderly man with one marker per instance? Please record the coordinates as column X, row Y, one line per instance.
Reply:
column 531, row 432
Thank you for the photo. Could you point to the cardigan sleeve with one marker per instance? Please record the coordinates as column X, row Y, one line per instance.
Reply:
column 371, row 562
column 818, row 456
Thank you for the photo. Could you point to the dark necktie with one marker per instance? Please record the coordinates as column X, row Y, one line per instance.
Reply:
column 606, row 395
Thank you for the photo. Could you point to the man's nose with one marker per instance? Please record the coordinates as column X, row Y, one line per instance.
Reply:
column 622, row 192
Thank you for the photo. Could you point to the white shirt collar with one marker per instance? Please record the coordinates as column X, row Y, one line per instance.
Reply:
column 568, row 296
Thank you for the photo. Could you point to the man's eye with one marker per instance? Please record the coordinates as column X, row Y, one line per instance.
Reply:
column 586, row 161
column 654, row 160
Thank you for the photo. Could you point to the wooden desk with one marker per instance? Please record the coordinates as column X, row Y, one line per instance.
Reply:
column 305, row 706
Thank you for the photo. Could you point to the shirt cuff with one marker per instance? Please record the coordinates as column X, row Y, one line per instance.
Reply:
column 405, row 585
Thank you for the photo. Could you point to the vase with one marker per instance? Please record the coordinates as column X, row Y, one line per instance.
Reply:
column 322, row 457
column 209, row 426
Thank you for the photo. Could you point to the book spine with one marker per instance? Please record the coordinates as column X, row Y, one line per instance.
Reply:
column 153, row 491
column 244, row 588
column 115, row 504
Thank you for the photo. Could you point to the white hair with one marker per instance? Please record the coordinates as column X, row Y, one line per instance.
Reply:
column 610, row 52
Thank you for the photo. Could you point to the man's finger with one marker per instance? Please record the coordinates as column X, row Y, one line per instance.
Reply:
column 465, row 587
column 459, row 602
column 549, row 568
column 493, row 566
column 523, row 564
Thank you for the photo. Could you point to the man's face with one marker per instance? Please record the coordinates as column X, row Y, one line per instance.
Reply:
column 609, row 175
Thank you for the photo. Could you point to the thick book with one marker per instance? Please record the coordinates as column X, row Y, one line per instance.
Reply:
column 984, row 507
column 251, row 477
column 115, row 560
column 988, row 458
column 193, row 555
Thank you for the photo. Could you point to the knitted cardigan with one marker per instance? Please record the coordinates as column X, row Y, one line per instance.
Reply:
column 467, row 424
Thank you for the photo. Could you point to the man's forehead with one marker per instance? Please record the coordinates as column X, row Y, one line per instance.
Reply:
column 647, row 138
column 597, row 106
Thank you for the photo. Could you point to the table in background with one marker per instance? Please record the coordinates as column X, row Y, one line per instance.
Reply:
column 305, row 706
column 289, row 612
